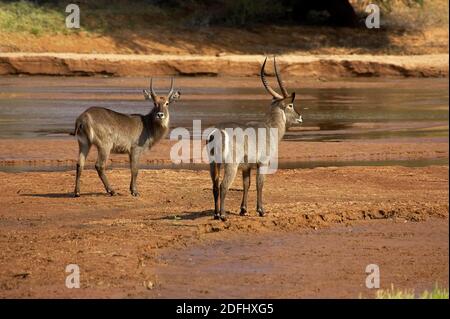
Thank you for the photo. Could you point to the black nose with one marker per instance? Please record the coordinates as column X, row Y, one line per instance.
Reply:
column 160, row 115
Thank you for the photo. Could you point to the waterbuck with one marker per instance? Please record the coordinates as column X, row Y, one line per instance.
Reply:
column 115, row 132
column 281, row 116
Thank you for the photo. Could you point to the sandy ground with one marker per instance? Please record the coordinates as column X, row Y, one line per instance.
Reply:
column 133, row 247
column 350, row 65
column 322, row 263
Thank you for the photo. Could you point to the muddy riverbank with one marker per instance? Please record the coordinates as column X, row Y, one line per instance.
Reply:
column 312, row 66
column 61, row 154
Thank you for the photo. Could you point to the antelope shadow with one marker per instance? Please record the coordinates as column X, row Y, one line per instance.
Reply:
column 187, row 215
column 64, row 195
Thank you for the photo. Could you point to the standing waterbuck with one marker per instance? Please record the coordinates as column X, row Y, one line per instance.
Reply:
column 115, row 132
column 249, row 153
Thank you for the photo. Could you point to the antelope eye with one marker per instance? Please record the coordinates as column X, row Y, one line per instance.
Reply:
column 290, row 105
column 166, row 104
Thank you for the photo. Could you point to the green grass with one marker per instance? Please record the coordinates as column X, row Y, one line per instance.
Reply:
column 27, row 17
column 392, row 293
column 24, row 16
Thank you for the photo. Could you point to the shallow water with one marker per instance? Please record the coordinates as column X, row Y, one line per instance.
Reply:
column 198, row 167
column 47, row 106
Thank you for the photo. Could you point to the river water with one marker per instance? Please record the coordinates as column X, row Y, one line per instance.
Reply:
column 46, row 107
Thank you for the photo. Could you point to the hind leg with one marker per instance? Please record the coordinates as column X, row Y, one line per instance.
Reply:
column 214, row 170
column 84, row 147
column 100, row 166
column 228, row 178
column 260, row 177
column 246, row 182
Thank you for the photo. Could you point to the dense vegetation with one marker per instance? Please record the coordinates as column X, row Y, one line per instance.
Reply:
column 46, row 15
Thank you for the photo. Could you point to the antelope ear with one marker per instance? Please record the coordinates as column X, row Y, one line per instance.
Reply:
column 147, row 95
column 175, row 96
column 292, row 97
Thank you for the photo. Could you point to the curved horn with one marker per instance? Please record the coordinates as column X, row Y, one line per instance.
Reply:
column 171, row 87
column 266, row 85
column 152, row 92
column 279, row 79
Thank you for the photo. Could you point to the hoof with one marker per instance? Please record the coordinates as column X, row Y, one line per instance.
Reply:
column 76, row 194
column 135, row 194
column 222, row 217
column 112, row 192
column 261, row 212
column 243, row 211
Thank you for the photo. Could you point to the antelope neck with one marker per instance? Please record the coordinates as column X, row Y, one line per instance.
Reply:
column 277, row 119
column 158, row 130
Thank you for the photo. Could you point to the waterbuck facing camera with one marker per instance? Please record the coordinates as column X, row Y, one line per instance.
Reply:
column 113, row 132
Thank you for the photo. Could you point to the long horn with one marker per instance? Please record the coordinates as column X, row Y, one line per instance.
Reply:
column 171, row 87
column 266, row 85
column 279, row 79
column 152, row 92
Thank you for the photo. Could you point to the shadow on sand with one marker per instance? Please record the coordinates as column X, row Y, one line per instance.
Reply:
column 63, row 195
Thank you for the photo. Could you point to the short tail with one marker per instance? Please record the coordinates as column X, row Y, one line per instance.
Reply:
column 209, row 143
column 221, row 144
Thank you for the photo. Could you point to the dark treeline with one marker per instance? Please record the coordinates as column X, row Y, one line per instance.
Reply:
column 245, row 12
column 242, row 12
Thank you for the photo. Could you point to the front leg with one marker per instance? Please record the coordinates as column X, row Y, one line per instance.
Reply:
column 134, row 166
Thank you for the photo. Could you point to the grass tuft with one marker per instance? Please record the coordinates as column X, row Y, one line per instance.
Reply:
column 392, row 293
